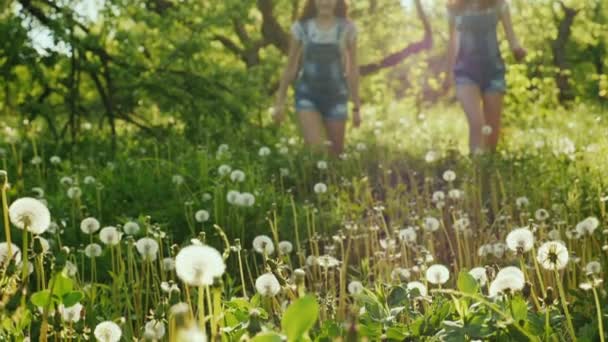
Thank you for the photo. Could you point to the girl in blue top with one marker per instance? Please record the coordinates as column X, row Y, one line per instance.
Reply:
column 476, row 66
column 323, row 58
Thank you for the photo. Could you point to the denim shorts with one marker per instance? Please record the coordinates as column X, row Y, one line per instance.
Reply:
column 494, row 84
column 330, row 107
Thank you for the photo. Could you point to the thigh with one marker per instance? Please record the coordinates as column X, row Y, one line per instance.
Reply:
column 470, row 98
column 311, row 126
column 335, row 134
column 492, row 107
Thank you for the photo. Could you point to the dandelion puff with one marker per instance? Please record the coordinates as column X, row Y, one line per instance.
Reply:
column 267, row 285
column 223, row 170
column 520, row 240
column 70, row 269
column 36, row 160
column 88, row 180
column 237, row 176
column 168, row 264
column 285, row 247
column 462, row 224
column 264, row 151
column 177, row 180
column 71, row 314
column 322, row 165
column 554, row 234
column 107, row 331
column 74, row 192
column 511, row 272
column 327, row 261
column 191, row 335
column 455, row 194
column 437, row 274
column 541, row 214
column 498, row 249
column 131, row 228
column 198, row 265
column 320, row 188
column 484, row 250
column 201, row 216
column 438, row 196
column 408, row 235
column 110, row 236
column 430, row 224
column 449, row 176
column 233, row 197
column 416, row 285
column 38, row 191
column 263, row 245
column 355, row 287
column 31, row 213
column 246, row 199
column 486, row 130
column 593, row 268
column 522, row 202
column 587, row 226
column 147, row 248
column 505, row 284
column 4, row 255
column 585, row 286
column 66, row 181
column 553, row 255
column 89, row 225
column 155, row 330
column 401, row 274
column 480, row 274
column 93, row 250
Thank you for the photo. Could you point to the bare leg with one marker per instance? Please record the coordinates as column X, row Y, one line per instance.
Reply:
column 469, row 96
column 335, row 134
column 492, row 107
column 311, row 125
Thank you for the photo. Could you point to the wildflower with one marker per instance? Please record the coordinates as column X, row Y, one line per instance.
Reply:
column 449, row 176
column 107, row 331
column 233, row 196
column 520, row 240
column 416, row 285
column 585, row 286
column 31, row 213
column 485, row 250
column 431, row 156
column 155, row 330
column 131, row 228
column 498, row 249
column 89, row 225
column 401, row 274
column 71, row 314
column 206, row 197
column 486, row 130
column 264, row 151
column 38, row 191
column 554, row 234
column 462, row 224
column 177, row 180
column 70, row 269
column 320, row 188
column 437, row 274
column 361, row 147
column 201, row 216
column 455, row 194
column 284, row 172
column 553, row 255
column 224, row 170
column 190, row 335
column 198, row 265
column 5, row 257
column 74, row 192
column 267, row 285
column 438, row 196
column 237, row 176
column 263, row 245
column 110, row 236
column 93, row 250
column 505, row 284
column 480, row 274
column 587, row 226
column 541, row 214
column 430, row 224
column 66, row 181
column 168, row 264
column 355, row 287
column 322, row 165
column 88, row 180
column 285, row 247
column 36, row 160
column 246, row 199
column 593, row 268
column 408, row 235
column 147, row 248
column 327, row 261
column 522, row 202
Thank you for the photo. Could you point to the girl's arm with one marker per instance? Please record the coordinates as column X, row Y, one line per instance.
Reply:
column 353, row 79
column 452, row 51
column 518, row 50
column 289, row 75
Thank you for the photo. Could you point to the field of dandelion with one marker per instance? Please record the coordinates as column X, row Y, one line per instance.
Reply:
column 254, row 238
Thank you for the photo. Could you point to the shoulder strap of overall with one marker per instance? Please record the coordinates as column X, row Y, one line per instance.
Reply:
column 340, row 27
column 305, row 28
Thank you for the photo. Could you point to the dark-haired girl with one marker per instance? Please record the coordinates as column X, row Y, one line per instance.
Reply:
column 323, row 62
column 476, row 66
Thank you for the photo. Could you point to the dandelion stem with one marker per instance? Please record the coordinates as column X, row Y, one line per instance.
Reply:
column 201, row 308
column 7, row 227
column 598, row 307
column 562, row 295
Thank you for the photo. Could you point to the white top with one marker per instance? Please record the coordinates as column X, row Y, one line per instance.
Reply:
column 323, row 36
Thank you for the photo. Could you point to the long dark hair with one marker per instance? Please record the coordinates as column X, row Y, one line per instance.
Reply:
column 459, row 5
column 310, row 10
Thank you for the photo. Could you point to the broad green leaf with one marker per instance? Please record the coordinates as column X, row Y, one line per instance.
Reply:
column 61, row 284
column 300, row 317
column 267, row 337
column 72, row 298
column 519, row 308
column 397, row 297
column 41, row 298
column 466, row 283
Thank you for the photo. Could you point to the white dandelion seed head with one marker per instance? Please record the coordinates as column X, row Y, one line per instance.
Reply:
column 70, row 269
column 233, row 197
column 267, row 285
column 438, row 196
column 89, row 225
column 401, row 274
column 155, row 330
column 107, row 331
column 522, row 202
column 430, row 224
column 422, row 290
column 131, row 228
column 327, row 261
column 177, row 179
column 36, row 160
column 263, row 245
column 207, row 197
column 554, row 234
column 408, row 235
column 284, row 172
column 31, row 213
column 587, row 226
column 168, row 264
column 38, row 191
column 201, row 216
column 520, row 240
column 198, row 265
column 504, row 284
column 71, row 314
column 479, row 273
column 498, row 249
column 66, row 181
column 110, row 236
column 586, row 286
column 322, row 165
column 593, row 268
column 320, row 188
column 355, row 287
column 264, row 151
column 449, row 176
column 388, row 244
column 74, row 192
column 553, row 255
column 147, row 248
column 285, row 247
column 437, row 274
column 485, row 250
column 44, row 243
column 245, row 199
column 462, row 224
column 224, row 169
column 191, row 334
column 5, row 257
column 237, row 176
column 511, row 272
column 431, row 156
column 541, row 214
column 361, row 147
column 88, row 180
column 93, row 250
column 455, row 194
column 486, row 130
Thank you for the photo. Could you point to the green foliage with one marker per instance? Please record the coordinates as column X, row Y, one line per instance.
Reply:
column 299, row 318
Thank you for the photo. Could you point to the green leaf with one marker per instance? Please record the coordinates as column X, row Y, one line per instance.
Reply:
column 61, row 284
column 72, row 298
column 41, row 298
column 397, row 297
column 519, row 308
column 300, row 317
column 466, row 283
column 267, row 337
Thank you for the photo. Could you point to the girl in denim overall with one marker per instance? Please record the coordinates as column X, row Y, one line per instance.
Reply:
column 323, row 58
column 476, row 66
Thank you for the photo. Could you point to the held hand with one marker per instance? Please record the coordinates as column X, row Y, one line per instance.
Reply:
column 278, row 113
column 520, row 53
column 448, row 82
column 356, row 117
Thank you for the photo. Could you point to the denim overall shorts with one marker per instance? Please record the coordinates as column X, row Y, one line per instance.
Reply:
column 479, row 61
column 321, row 86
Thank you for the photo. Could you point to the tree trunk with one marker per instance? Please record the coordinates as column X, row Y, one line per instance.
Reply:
column 560, row 61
